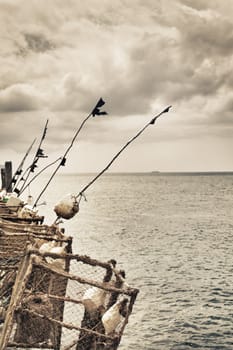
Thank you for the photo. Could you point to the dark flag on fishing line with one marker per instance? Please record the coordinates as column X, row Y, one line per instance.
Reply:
column 63, row 162
column 96, row 110
column 33, row 166
column 17, row 173
column 40, row 153
column 17, row 191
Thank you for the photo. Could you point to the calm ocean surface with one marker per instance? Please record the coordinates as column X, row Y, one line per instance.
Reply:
column 173, row 236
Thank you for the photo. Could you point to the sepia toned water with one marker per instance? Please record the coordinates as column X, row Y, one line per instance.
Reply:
column 174, row 237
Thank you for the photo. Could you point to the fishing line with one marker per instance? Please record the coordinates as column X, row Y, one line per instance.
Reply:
column 80, row 194
column 94, row 112
column 19, row 170
column 39, row 154
column 40, row 172
column 69, row 206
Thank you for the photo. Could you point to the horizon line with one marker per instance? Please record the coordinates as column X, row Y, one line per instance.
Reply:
column 156, row 172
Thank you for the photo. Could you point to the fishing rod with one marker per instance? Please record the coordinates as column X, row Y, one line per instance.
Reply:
column 81, row 193
column 39, row 154
column 19, row 170
column 40, row 172
column 69, row 206
column 94, row 112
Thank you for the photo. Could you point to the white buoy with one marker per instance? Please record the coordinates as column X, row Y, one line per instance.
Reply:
column 59, row 263
column 113, row 316
column 46, row 247
column 3, row 194
column 52, row 247
column 28, row 212
column 93, row 298
column 30, row 200
column 67, row 207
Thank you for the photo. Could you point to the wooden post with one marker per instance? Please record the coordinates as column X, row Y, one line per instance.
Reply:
column 23, row 274
column 3, row 177
column 8, row 170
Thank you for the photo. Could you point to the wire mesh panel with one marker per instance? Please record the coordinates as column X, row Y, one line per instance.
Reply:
column 58, row 309
column 53, row 299
column 15, row 240
column 35, row 330
column 12, row 248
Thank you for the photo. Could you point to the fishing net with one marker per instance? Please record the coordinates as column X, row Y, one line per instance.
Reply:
column 55, row 300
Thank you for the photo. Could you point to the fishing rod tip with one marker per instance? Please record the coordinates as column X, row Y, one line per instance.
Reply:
column 157, row 116
column 167, row 109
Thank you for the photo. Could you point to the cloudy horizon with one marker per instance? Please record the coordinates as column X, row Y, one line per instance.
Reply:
column 58, row 58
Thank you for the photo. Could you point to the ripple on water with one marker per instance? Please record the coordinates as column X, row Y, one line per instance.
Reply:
column 173, row 236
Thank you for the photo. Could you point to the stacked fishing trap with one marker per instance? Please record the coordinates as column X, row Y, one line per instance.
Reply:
column 51, row 298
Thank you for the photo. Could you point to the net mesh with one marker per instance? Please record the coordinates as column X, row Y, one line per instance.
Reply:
column 54, row 299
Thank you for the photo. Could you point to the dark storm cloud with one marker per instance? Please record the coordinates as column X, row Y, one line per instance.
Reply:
column 139, row 56
column 17, row 98
column 38, row 42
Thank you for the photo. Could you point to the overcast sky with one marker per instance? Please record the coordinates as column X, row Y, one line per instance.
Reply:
column 57, row 58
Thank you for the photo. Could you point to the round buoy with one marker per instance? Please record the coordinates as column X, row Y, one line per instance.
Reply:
column 67, row 207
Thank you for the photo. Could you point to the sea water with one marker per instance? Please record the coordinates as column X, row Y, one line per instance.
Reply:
column 173, row 236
